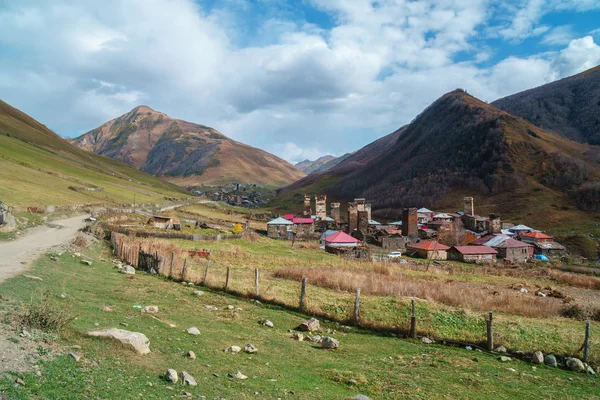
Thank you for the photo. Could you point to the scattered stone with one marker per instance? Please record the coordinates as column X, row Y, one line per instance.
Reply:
column 191, row 355
column 38, row 373
column 25, row 334
column 190, row 283
column 77, row 254
column 590, row 370
column 360, row 397
column 216, row 375
column 523, row 290
column 250, row 349
column 193, row 331
column 230, row 307
column 500, row 349
column 540, row 294
column 352, row 381
column 198, row 293
column 211, row 308
column 53, row 258
column 537, row 358
column 20, row 382
column 237, row 375
column 137, row 340
column 171, row 376
column 106, row 309
column 426, row 340
column 298, row 336
column 330, row 343
column 505, row 359
column 150, row 309
column 187, row 379
column 235, row 349
column 468, row 348
column 128, row 269
column 96, row 324
column 310, row 325
column 63, row 295
column 575, row 364
column 550, row 360
column 75, row 356
column 511, row 369
column 35, row 278
column 269, row 324
column 86, row 262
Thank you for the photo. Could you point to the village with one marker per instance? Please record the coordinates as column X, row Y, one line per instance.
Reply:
column 462, row 236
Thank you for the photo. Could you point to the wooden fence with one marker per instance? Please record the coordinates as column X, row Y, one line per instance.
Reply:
column 172, row 235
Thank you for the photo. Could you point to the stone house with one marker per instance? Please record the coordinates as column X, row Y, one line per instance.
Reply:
column 429, row 249
column 424, row 215
column 472, row 254
column 514, row 250
column 303, row 227
column 544, row 244
column 389, row 239
column 165, row 222
column 279, row 228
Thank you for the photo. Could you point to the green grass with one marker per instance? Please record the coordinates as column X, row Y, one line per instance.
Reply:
column 383, row 366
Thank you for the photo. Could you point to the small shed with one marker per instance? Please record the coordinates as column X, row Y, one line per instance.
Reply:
column 472, row 254
column 429, row 249
column 279, row 228
column 165, row 222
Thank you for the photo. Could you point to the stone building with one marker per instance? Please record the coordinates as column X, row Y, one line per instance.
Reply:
column 389, row 239
column 410, row 224
column 472, row 254
column 335, row 212
column 321, row 207
column 303, row 227
column 279, row 228
column 363, row 222
column 514, row 250
column 429, row 249
column 352, row 217
column 307, row 211
column 469, row 206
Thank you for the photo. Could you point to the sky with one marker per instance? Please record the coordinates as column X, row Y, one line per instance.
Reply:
column 299, row 79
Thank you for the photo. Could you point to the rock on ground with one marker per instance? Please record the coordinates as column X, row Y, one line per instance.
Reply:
column 360, row 397
column 150, row 309
column 187, row 379
column 171, row 376
column 500, row 349
column 505, row 359
column 235, row 349
column 550, row 360
column 86, row 262
column 575, row 364
column 537, row 358
column 237, row 375
column 310, row 325
column 269, row 324
column 75, row 356
column 198, row 292
column 128, row 269
column 250, row 349
column 191, row 355
column 330, row 343
column 137, row 340
column 426, row 340
column 193, row 331
column 298, row 336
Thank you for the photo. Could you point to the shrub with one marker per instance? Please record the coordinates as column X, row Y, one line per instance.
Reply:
column 45, row 313
column 238, row 228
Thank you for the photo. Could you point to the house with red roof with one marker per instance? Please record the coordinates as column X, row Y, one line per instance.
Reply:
column 544, row 244
column 472, row 254
column 340, row 239
column 303, row 226
column 429, row 249
column 535, row 237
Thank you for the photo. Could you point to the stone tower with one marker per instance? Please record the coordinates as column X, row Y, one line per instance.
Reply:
column 335, row 212
column 363, row 222
column 307, row 212
column 410, row 224
column 469, row 206
column 352, row 217
column 321, row 207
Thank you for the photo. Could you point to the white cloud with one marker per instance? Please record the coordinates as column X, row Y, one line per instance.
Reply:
column 560, row 35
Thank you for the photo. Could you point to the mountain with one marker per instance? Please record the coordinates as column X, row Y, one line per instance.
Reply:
column 321, row 164
column 569, row 107
column 38, row 167
column 184, row 153
column 462, row 146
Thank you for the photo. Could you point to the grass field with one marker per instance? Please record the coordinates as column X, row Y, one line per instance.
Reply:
column 382, row 366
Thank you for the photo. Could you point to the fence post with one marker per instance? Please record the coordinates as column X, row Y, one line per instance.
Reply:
column 413, row 320
column 206, row 273
column 490, row 332
column 256, row 281
column 357, row 307
column 183, row 270
column 302, row 295
column 171, row 268
column 227, row 278
column 586, row 342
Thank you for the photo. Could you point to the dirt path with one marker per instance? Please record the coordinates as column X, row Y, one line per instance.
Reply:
column 17, row 255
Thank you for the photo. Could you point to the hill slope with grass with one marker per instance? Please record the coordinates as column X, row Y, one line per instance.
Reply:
column 184, row 153
column 37, row 167
column 569, row 107
column 460, row 145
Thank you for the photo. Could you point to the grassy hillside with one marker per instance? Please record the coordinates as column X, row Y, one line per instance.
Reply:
column 37, row 167
column 462, row 146
column 184, row 153
column 569, row 107
column 377, row 365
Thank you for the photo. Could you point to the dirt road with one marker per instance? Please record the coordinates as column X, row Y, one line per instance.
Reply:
column 16, row 256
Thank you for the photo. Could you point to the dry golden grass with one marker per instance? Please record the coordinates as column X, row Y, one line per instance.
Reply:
column 383, row 282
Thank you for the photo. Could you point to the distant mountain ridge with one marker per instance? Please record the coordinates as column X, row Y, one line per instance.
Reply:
column 184, row 153
column 321, row 164
column 461, row 146
column 569, row 107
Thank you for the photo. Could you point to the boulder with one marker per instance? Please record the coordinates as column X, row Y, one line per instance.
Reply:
column 360, row 397
column 505, row 359
column 237, row 375
column 537, row 358
column 187, row 379
column 86, row 262
column 75, row 356
column 575, row 364
column 235, row 349
column 150, row 309
column 250, row 349
column 310, row 325
column 330, row 343
column 191, row 355
column 211, row 308
column 426, row 340
column 128, row 269
column 500, row 349
column 550, row 360
column 269, row 324
column 198, row 293
column 193, row 331
column 137, row 340
column 171, row 376
column 298, row 336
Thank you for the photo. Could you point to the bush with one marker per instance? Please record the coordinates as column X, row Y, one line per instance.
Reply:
column 238, row 228
column 45, row 314
column 582, row 312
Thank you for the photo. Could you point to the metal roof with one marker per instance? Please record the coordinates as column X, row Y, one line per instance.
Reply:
column 473, row 250
column 280, row 221
column 303, row 221
column 520, row 227
column 496, row 240
column 341, row 237
column 373, row 222
column 512, row 244
column 429, row 245
column 424, row 210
